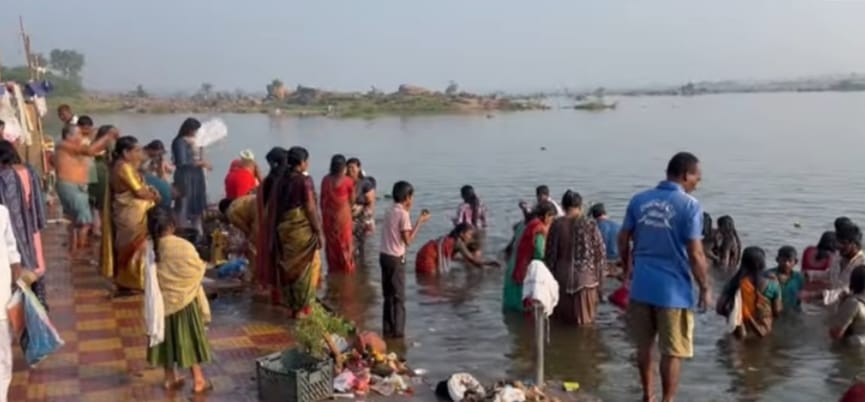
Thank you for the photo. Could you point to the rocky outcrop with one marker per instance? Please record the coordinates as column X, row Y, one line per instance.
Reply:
column 413, row 90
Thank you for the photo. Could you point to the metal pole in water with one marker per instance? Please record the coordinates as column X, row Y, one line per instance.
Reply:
column 539, row 343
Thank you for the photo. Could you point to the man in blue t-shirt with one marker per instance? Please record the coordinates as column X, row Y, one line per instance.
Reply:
column 665, row 225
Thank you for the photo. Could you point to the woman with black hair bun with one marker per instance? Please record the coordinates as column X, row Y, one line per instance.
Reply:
column 292, row 217
column 123, row 245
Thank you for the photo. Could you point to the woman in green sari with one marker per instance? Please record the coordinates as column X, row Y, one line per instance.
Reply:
column 293, row 216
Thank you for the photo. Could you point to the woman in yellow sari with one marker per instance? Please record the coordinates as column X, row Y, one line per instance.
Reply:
column 292, row 215
column 123, row 243
column 179, row 271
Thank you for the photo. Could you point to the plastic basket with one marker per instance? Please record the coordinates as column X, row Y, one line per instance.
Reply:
column 293, row 376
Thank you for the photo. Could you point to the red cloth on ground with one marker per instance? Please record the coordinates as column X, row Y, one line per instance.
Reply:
column 239, row 181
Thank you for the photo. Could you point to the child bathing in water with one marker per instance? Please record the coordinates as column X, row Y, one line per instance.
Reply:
column 729, row 247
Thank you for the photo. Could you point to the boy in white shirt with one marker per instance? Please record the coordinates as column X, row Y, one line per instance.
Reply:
column 10, row 268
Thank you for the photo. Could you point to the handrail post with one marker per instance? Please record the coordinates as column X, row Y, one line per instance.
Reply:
column 540, row 339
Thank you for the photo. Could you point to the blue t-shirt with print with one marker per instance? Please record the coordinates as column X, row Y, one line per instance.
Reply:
column 610, row 232
column 663, row 220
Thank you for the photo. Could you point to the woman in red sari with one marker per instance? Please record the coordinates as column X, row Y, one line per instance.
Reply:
column 337, row 196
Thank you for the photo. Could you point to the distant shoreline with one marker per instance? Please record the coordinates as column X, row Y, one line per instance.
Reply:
column 337, row 106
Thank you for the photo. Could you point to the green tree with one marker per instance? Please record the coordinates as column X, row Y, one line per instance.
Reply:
column 452, row 89
column 206, row 89
column 68, row 63
column 140, row 92
column 273, row 87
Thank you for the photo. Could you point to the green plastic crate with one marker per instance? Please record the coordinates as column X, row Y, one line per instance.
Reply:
column 293, row 376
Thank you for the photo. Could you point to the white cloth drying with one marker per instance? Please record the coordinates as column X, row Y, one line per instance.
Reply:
column 540, row 285
column 154, row 309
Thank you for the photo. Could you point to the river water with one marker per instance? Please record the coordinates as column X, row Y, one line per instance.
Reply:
column 769, row 160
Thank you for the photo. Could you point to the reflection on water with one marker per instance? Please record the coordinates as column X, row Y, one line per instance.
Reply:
column 768, row 160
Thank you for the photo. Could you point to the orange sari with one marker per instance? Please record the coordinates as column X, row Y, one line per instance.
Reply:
column 337, row 194
column 756, row 308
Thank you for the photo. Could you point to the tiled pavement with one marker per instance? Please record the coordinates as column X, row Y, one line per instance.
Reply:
column 103, row 359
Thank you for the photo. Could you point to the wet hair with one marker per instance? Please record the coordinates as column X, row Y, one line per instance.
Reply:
column 787, row 253
column 469, row 196
column 402, row 190
column 64, row 108
column 727, row 227
column 103, row 131
column 572, row 199
column 841, row 222
column 459, row 229
column 828, row 244
column 85, row 121
column 753, row 263
column 67, row 131
column 857, row 280
column 545, row 209
column 681, row 164
column 598, row 210
column 159, row 219
column 542, row 190
column 189, row 127
column 224, row 205
column 337, row 164
column 850, row 234
column 8, row 154
column 155, row 145
column 123, row 144
column 707, row 225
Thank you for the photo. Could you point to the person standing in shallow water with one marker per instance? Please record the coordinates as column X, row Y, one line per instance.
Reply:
column 189, row 177
column 529, row 245
column 363, row 210
column 396, row 235
column 576, row 255
column 337, row 197
column 665, row 225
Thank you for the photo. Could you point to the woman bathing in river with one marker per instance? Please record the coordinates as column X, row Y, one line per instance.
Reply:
column 848, row 323
column 337, row 199
column 576, row 255
column 471, row 211
column 363, row 211
column 436, row 255
column 530, row 243
column 729, row 247
column 759, row 296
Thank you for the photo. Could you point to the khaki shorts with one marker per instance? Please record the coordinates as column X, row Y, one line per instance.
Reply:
column 673, row 327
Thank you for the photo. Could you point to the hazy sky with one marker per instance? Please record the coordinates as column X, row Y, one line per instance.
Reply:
column 483, row 45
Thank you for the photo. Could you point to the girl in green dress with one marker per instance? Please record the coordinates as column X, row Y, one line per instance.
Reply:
column 179, row 272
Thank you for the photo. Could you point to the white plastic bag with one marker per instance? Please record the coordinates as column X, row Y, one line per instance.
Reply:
column 154, row 309
column 210, row 132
